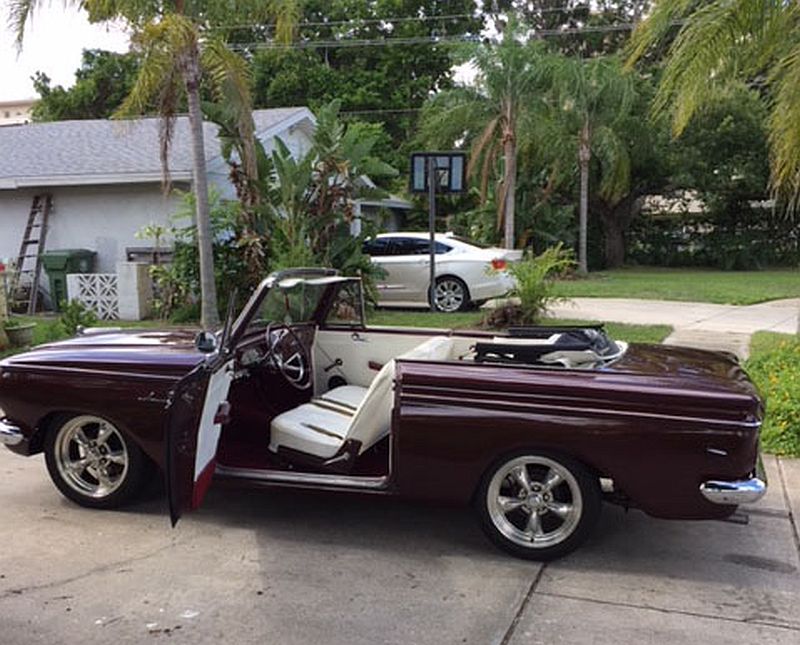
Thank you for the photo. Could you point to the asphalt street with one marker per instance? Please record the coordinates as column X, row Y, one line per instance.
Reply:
column 267, row 566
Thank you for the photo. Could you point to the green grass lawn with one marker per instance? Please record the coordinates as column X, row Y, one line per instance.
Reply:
column 471, row 320
column 774, row 365
column 723, row 287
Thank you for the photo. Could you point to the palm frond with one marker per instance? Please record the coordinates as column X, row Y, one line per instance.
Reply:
column 615, row 163
column 231, row 80
column 715, row 45
column 784, row 128
column 662, row 19
column 480, row 144
column 287, row 14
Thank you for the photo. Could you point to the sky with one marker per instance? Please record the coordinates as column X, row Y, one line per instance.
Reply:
column 53, row 44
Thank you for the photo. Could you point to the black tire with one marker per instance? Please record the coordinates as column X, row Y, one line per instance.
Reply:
column 62, row 448
column 506, row 512
column 458, row 294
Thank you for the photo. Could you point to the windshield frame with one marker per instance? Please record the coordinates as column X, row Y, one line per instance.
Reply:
column 254, row 304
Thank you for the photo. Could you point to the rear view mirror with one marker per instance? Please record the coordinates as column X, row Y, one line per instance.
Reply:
column 205, row 342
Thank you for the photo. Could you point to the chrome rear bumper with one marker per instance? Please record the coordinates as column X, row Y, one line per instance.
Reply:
column 10, row 435
column 743, row 491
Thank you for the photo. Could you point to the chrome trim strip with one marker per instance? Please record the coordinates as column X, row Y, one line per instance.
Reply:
column 423, row 399
column 10, row 435
column 745, row 491
column 29, row 367
column 305, row 479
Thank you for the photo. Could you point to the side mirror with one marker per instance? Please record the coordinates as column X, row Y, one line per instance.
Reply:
column 205, row 342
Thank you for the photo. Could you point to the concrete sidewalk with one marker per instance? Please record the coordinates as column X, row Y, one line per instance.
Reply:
column 776, row 315
column 696, row 324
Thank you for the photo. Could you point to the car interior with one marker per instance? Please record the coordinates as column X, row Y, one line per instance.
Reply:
column 314, row 391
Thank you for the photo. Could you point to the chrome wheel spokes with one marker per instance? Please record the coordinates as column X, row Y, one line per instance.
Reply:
column 534, row 501
column 91, row 456
column 449, row 295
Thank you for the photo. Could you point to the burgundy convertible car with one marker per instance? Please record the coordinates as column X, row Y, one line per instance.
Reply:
column 535, row 427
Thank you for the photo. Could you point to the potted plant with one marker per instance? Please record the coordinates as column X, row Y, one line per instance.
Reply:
column 19, row 332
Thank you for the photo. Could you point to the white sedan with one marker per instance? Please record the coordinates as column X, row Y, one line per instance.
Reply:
column 466, row 273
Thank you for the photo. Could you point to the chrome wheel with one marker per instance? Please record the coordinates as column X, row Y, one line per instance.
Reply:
column 450, row 294
column 534, row 502
column 91, row 456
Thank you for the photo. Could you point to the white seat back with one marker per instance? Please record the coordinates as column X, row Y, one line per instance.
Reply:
column 373, row 418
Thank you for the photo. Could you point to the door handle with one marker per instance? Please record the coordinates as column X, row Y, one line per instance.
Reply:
column 358, row 337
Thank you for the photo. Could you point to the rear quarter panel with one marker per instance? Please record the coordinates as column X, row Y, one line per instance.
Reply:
column 452, row 421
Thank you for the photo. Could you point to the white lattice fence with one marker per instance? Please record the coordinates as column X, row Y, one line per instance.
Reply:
column 97, row 291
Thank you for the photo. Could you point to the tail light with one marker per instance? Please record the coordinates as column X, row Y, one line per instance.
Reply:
column 499, row 264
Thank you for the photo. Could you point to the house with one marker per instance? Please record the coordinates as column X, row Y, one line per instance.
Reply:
column 105, row 177
column 16, row 112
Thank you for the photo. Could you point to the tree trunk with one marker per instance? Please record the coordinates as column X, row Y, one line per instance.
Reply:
column 510, row 181
column 208, row 289
column 615, row 242
column 584, row 156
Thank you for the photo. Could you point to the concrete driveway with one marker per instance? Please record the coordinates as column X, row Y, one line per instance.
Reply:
column 260, row 566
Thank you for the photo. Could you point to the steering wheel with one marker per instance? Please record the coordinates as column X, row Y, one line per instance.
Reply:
column 296, row 367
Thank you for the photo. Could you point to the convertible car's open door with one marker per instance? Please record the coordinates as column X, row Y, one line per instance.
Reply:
column 196, row 410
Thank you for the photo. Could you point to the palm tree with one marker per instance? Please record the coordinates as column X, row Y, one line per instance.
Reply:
column 179, row 48
column 589, row 99
column 489, row 115
column 757, row 41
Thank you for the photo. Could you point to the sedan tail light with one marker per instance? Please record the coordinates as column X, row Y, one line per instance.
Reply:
column 499, row 264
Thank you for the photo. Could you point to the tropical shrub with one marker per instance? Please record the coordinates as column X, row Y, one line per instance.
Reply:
column 534, row 277
column 75, row 314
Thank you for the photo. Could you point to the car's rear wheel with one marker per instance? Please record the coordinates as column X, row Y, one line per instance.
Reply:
column 450, row 294
column 92, row 462
column 538, row 506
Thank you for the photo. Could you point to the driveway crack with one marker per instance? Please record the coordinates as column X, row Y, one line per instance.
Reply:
column 18, row 591
column 522, row 607
column 679, row 612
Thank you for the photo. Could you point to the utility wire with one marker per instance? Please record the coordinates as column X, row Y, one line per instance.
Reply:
column 431, row 40
column 357, row 22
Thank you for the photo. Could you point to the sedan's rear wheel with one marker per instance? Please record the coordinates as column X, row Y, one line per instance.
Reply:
column 92, row 462
column 450, row 294
column 538, row 506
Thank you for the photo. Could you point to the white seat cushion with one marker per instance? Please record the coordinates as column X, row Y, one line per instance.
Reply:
column 363, row 414
column 310, row 429
column 350, row 396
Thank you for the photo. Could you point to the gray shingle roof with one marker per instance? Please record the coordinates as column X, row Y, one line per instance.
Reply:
column 101, row 151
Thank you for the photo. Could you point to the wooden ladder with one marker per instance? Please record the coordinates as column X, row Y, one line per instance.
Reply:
column 24, row 286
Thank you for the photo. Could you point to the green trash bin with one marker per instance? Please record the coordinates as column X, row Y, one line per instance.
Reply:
column 59, row 264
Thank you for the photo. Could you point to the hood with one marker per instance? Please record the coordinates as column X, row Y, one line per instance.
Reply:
column 140, row 350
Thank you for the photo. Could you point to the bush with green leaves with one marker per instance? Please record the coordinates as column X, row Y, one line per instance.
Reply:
column 774, row 366
column 534, row 277
column 75, row 314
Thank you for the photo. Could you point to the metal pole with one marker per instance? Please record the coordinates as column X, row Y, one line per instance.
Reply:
column 432, row 229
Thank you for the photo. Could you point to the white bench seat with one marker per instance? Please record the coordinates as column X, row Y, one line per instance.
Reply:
column 348, row 412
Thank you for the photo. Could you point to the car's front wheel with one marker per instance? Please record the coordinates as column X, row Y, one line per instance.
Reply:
column 538, row 506
column 92, row 462
column 450, row 294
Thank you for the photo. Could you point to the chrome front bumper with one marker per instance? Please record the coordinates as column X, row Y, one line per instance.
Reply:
column 743, row 491
column 10, row 435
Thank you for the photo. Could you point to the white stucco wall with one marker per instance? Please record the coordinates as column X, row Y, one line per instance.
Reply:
column 104, row 219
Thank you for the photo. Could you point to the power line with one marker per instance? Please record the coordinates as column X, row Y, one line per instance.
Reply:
column 357, row 22
column 430, row 40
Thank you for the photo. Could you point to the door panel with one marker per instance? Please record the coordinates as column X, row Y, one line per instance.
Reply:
column 357, row 349
column 192, row 431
